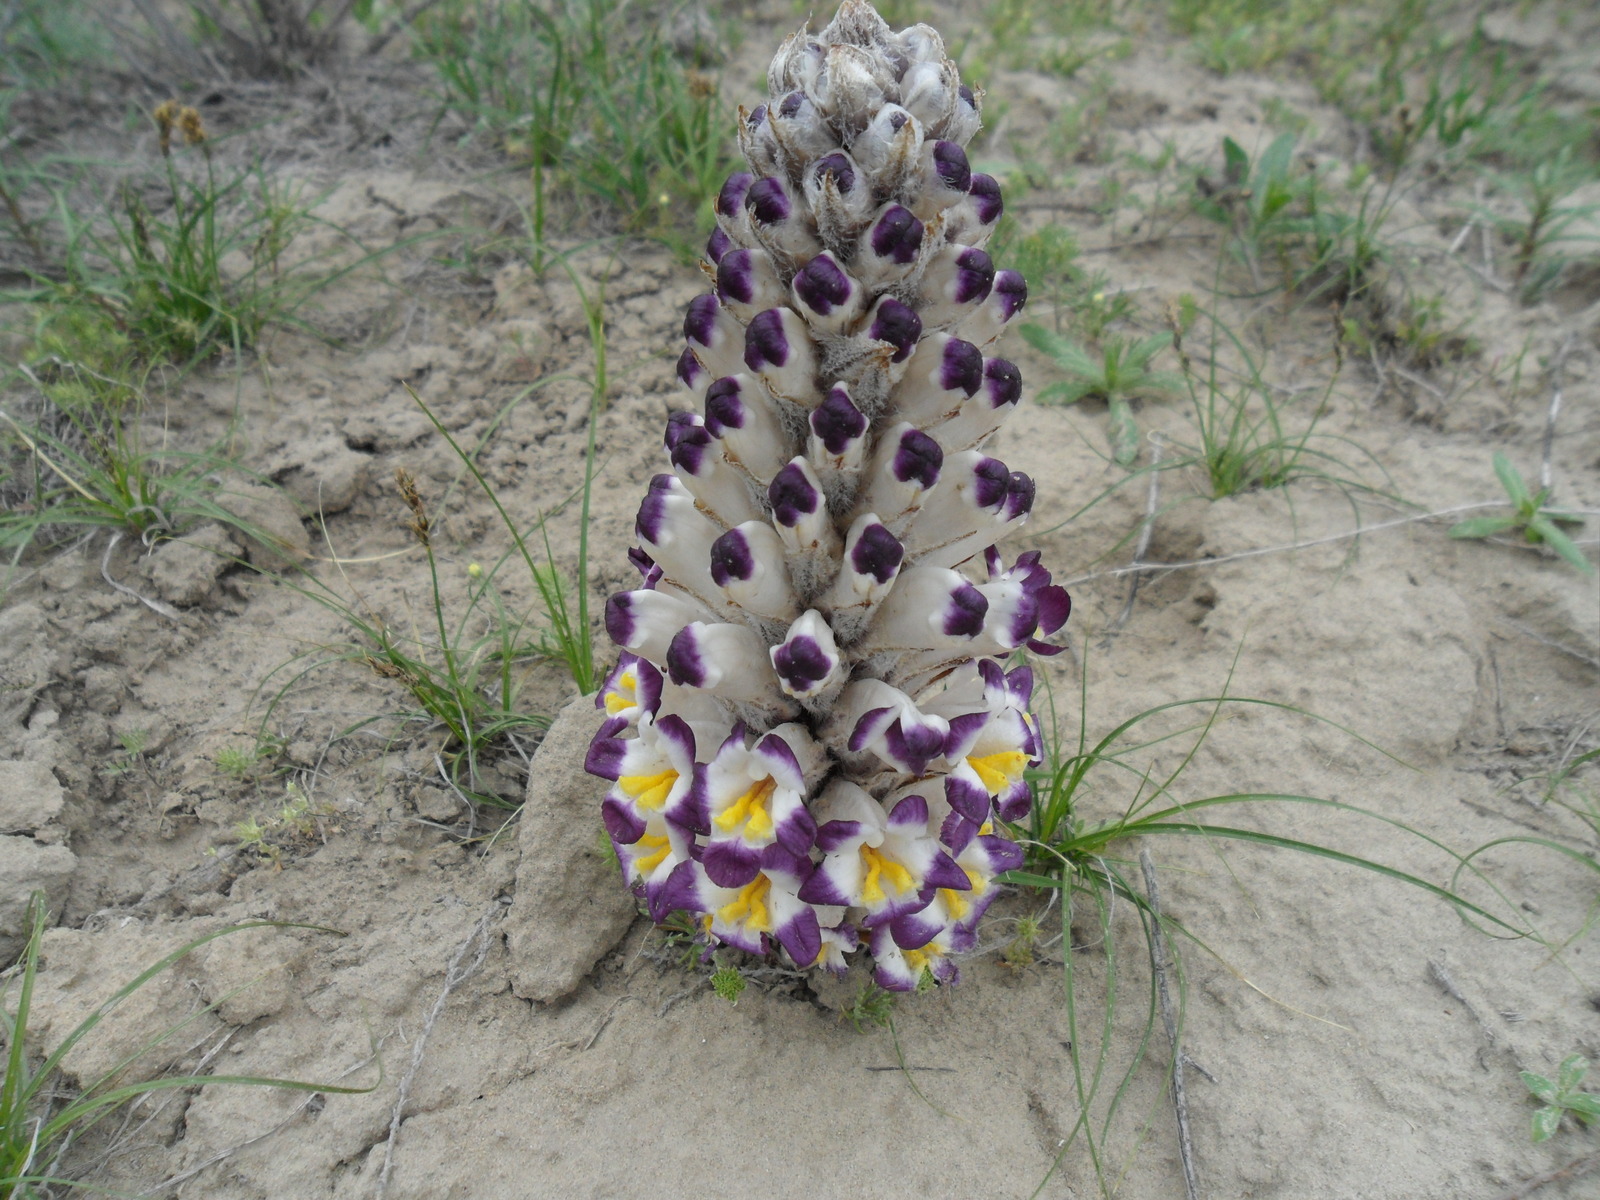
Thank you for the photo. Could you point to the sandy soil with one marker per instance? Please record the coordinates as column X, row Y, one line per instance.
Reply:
column 1358, row 1038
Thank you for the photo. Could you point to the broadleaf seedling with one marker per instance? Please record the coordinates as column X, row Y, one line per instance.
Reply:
column 1122, row 373
column 1530, row 514
column 1561, row 1096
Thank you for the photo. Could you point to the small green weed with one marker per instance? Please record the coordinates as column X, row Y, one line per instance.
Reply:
column 1457, row 97
column 1239, row 35
column 680, row 937
column 728, row 983
column 236, row 761
column 178, row 267
column 1254, row 199
column 90, row 467
column 265, row 39
column 1411, row 330
column 1095, row 305
column 1248, row 437
column 567, row 637
column 1290, row 217
column 1121, row 374
column 299, row 824
column 1053, row 36
column 1544, row 232
column 48, row 43
column 157, row 278
column 1561, row 1097
column 1530, row 516
column 465, row 676
column 872, row 1007
column 133, row 743
column 241, row 762
column 591, row 97
column 1019, row 951
column 40, row 1120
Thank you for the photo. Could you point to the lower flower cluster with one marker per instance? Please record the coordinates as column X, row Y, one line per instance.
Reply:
column 712, row 820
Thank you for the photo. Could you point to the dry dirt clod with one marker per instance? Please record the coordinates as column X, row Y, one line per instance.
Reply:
column 26, row 658
column 276, row 536
column 185, row 571
column 249, row 976
column 30, row 797
column 26, row 865
column 568, row 910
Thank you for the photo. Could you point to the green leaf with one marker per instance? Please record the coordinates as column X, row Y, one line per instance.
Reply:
column 1512, row 482
column 1142, row 351
column 1269, row 184
column 1027, row 879
column 1122, row 431
column 1571, row 1072
column 1585, row 1105
column 1541, row 1087
column 1559, row 542
column 1235, row 162
column 1545, row 1123
column 1053, row 345
column 1064, row 393
column 1482, row 527
column 1163, row 382
column 1275, row 160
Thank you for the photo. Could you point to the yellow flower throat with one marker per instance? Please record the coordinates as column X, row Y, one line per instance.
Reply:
column 751, row 807
column 999, row 771
column 750, row 906
column 878, row 869
column 650, row 791
column 659, row 847
column 623, row 695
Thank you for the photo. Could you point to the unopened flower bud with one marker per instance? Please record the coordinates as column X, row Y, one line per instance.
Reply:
column 779, row 220
column 779, row 349
column 748, row 283
column 827, row 297
column 956, row 281
column 1005, row 300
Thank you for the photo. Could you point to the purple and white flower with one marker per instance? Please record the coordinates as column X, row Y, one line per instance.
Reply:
column 877, row 861
column 754, row 798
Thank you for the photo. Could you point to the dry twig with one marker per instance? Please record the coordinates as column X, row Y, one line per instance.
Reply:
column 1144, row 537
column 1576, row 1168
column 454, row 976
column 154, row 606
column 1554, row 373
column 1158, row 963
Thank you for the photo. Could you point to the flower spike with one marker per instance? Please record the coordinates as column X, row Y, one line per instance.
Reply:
column 811, row 746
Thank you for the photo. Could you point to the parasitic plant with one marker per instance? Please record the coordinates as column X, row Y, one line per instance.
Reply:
column 811, row 734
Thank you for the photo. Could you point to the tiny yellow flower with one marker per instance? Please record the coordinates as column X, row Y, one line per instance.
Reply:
column 474, row 570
